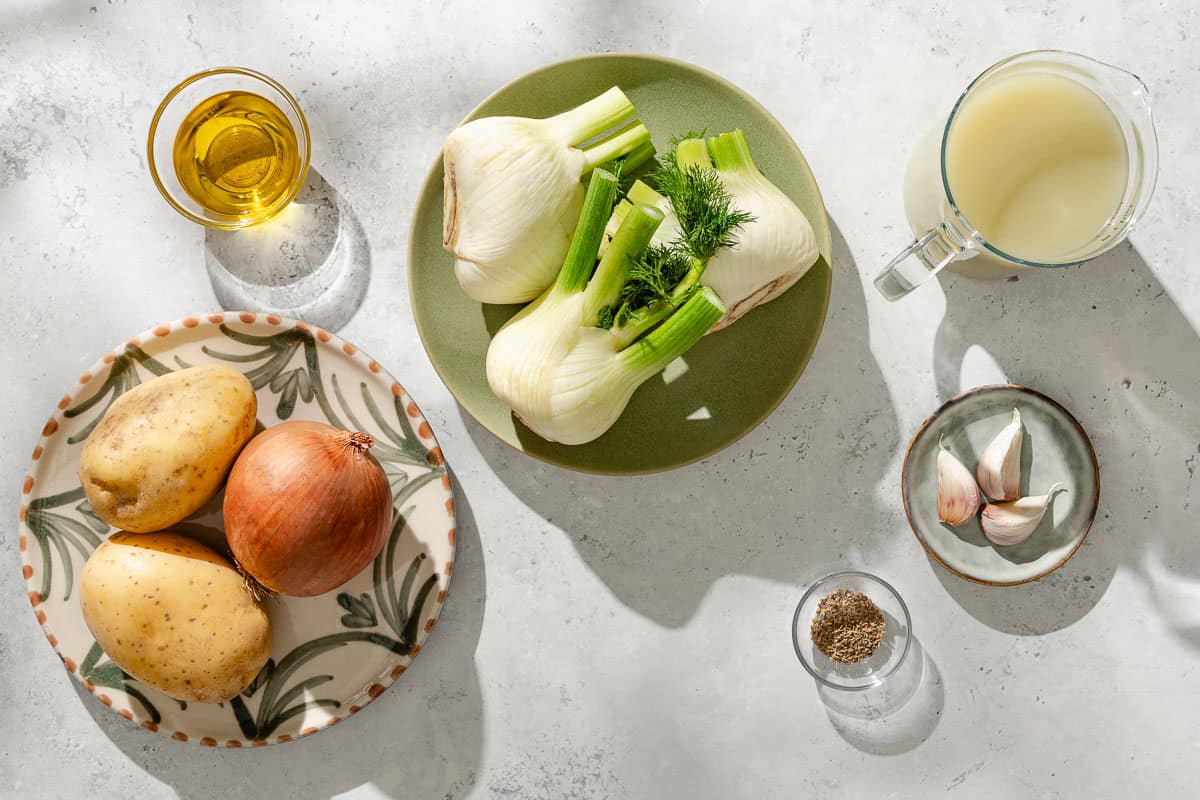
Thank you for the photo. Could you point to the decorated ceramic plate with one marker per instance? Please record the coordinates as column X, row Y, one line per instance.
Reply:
column 675, row 418
column 1054, row 448
column 333, row 653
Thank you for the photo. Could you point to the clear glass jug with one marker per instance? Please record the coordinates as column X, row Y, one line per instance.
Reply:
column 946, row 237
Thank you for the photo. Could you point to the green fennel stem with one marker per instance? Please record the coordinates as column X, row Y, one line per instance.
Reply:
column 646, row 318
column 581, row 257
column 631, row 238
column 637, row 157
column 622, row 209
column 649, row 355
column 593, row 117
column 625, row 141
column 641, row 193
column 731, row 153
column 692, row 152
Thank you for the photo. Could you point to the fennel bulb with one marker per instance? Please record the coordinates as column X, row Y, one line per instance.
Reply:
column 773, row 250
column 772, row 253
column 567, row 364
column 513, row 192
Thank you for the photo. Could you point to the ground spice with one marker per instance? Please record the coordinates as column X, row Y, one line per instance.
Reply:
column 847, row 626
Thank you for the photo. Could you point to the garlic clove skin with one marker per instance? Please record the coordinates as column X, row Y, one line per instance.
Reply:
column 1012, row 522
column 999, row 469
column 958, row 495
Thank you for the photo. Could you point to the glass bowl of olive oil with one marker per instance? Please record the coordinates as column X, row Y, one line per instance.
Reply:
column 229, row 147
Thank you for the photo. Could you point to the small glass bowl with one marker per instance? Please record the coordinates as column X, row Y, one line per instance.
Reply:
column 186, row 96
column 887, row 658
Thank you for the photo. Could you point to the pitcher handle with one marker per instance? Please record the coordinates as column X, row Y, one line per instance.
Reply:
column 923, row 259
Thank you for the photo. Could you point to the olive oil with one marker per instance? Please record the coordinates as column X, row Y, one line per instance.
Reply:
column 237, row 155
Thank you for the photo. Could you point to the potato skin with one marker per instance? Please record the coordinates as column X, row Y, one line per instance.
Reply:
column 175, row 615
column 164, row 447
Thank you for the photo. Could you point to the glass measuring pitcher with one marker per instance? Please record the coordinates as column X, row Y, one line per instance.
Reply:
column 1047, row 159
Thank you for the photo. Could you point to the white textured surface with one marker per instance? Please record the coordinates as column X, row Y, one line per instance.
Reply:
column 629, row 638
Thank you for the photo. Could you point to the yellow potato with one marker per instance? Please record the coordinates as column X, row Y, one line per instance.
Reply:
column 164, row 447
column 175, row 615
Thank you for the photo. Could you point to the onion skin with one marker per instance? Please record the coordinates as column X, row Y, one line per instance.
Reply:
column 307, row 508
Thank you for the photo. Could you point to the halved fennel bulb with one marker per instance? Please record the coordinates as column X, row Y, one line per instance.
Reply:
column 771, row 253
column 513, row 192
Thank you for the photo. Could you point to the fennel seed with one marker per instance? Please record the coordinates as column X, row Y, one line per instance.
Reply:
column 847, row 627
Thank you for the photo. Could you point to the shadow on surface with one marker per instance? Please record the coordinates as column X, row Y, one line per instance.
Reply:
column 1107, row 341
column 895, row 717
column 761, row 507
column 423, row 737
column 311, row 261
column 1052, row 603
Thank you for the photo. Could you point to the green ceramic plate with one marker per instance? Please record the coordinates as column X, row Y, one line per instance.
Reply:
column 735, row 378
column 1055, row 448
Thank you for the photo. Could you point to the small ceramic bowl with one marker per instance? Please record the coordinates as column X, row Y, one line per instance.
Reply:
column 1054, row 448
column 887, row 658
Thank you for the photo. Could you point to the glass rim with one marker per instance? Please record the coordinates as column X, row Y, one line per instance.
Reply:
column 817, row 584
column 297, row 182
column 975, row 235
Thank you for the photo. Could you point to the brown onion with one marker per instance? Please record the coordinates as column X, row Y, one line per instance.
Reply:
column 307, row 507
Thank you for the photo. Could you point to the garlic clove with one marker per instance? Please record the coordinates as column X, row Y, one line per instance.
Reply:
column 999, row 468
column 1012, row 522
column 958, row 495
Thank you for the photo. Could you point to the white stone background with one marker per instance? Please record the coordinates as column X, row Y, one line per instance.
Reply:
column 630, row 638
